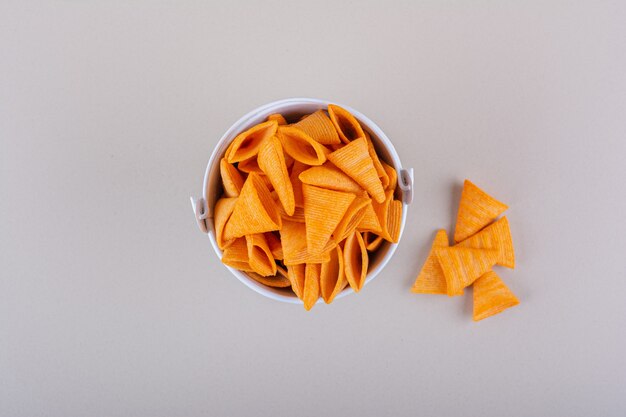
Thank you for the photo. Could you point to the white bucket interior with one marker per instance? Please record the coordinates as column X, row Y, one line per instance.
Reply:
column 293, row 109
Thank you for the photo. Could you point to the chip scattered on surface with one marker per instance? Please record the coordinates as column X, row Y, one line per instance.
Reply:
column 306, row 201
column 481, row 242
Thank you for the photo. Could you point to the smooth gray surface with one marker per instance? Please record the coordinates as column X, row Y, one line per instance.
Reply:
column 113, row 304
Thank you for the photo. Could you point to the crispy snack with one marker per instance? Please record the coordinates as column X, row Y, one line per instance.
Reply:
column 231, row 179
column 354, row 159
column 355, row 259
column 496, row 236
column 247, row 144
column 278, row 118
column 462, row 266
column 250, row 165
column 332, row 276
column 380, row 170
column 298, row 214
column 431, row 279
column 294, row 242
column 392, row 175
column 274, row 244
column 330, row 177
column 389, row 216
column 372, row 241
column 260, row 256
column 294, row 177
column 323, row 210
column 369, row 222
column 221, row 213
column 491, row 296
column 272, row 162
column 311, row 291
column 394, row 220
column 254, row 211
column 236, row 255
column 295, row 274
column 278, row 281
column 476, row 210
column 345, row 123
column 318, row 126
column 351, row 219
column 301, row 146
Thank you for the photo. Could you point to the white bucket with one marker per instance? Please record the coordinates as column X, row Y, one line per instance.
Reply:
column 203, row 207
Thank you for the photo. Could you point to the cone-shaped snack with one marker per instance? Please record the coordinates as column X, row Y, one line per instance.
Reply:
column 274, row 244
column 389, row 214
column 346, row 124
column 319, row 126
column 298, row 214
column 272, row 162
column 355, row 260
column 431, row 279
column 295, row 251
column 354, row 159
column 476, row 210
column 380, row 170
column 392, row 175
column 231, row 179
column 221, row 213
column 311, row 291
column 372, row 241
column 496, row 236
column 462, row 266
column 278, row 118
column 236, row 255
column 491, row 296
column 277, row 281
column 247, row 144
column 254, row 211
column 369, row 222
column 332, row 276
column 301, row 146
column 352, row 218
column 250, row 165
column 260, row 256
column 295, row 273
column 323, row 210
column 330, row 177
column 294, row 176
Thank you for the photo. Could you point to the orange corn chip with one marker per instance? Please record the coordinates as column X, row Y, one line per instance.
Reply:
column 462, row 266
column 250, row 165
column 372, row 241
column 278, row 118
column 278, row 281
column 311, row 292
column 346, row 124
column 354, row 160
column 301, row 146
column 254, row 211
column 431, row 279
column 392, row 175
column 272, row 162
column 298, row 214
column 295, row 251
column 319, row 127
column 476, row 210
column 294, row 177
column 247, row 144
column 236, row 255
column 355, row 260
column 380, row 170
column 332, row 276
column 330, row 177
column 260, row 256
column 231, row 179
column 370, row 222
column 351, row 219
column 389, row 214
column 496, row 236
column 491, row 296
column 323, row 210
column 282, row 271
column 274, row 244
column 295, row 274
column 221, row 213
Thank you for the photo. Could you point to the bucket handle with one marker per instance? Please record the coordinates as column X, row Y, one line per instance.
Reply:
column 200, row 211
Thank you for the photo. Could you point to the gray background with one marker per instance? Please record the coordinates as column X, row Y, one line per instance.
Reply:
column 113, row 304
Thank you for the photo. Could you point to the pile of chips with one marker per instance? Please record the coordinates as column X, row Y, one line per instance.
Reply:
column 481, row 242
column 304, row 204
